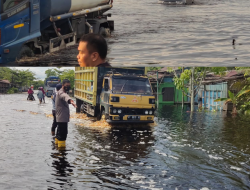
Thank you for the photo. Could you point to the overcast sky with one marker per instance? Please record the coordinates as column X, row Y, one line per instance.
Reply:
column 40, row 71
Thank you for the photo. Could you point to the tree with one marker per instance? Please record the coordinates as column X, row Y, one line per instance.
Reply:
column 53, row 72
column 5, row 73
column 18, row 78
column 70, row 75
column 190, row 80
column 233, row 98
column 37, row 84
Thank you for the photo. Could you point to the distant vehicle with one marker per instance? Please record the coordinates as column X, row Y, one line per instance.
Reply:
column 118, row 95
column 29, row 27
column 50, row 85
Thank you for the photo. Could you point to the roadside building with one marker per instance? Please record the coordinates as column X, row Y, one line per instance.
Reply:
column 4, row 86
column 167, row 91
column 215, row 86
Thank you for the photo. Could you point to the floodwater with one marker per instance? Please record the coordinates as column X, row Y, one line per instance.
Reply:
column 148, row 32
column 206, row 150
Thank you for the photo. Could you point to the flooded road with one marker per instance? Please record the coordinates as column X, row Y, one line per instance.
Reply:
column 148, row 33
column 207, row 150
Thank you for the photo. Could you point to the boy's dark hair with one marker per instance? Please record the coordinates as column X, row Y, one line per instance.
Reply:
column 95, row 43
column 65, row 81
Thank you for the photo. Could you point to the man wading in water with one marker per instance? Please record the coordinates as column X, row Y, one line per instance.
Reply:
column 93, row 50
column 54, row 124
column 62, row 113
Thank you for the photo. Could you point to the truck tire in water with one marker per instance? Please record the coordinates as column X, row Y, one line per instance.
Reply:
column 25, row 52
column 78, row 104
column 105, row 32
column 101, row 115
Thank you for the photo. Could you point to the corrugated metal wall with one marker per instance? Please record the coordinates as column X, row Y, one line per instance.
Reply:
column 211, row 92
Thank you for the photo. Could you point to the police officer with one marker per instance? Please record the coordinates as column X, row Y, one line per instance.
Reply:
column 62, row 113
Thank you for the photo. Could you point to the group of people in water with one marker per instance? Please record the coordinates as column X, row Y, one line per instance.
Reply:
column 40, row 95
column 60, row 110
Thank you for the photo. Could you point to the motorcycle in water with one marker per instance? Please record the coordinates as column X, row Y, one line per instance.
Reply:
column 31, row 97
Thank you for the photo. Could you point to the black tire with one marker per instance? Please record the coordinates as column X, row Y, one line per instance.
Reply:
column 100, row 115
column 104, row 32
column 25, row 52
column 78, row 104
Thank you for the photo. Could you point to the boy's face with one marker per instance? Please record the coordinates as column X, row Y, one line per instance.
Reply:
column 85, row 59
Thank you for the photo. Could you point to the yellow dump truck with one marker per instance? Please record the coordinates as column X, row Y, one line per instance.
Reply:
column 119, row 95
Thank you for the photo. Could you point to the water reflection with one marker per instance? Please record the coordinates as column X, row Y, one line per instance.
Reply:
column 208, row 150
column 112, row 156
column 62, row 172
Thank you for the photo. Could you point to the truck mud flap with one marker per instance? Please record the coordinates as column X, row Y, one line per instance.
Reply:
column 62, row 42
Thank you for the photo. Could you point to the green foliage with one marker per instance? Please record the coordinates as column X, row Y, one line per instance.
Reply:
column 37, row 84
column 236, row 100
column 5, row 73
column 18, row 78
column 154, row 68
column 53, row 72
column 245, row 70
column 70, row 75
column 245, row 108
column 12, row 90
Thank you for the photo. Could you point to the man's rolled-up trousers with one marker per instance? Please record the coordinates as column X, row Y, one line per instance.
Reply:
column 62, row 131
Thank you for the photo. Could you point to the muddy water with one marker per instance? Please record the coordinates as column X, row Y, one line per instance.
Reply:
column 148, row 32
column 201, row 151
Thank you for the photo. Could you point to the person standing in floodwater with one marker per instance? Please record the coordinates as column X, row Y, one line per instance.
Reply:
column 62, row 113
column 43, row 94
column 54, row 124
column 40, row 95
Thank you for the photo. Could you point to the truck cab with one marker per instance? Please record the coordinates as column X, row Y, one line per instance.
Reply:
column 117, row 95
column 127, row 98
column 50, row 85
column 17, row 27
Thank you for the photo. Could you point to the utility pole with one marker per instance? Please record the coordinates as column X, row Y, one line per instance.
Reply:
column 182, row 91
column 157, row 91
column 192, row 90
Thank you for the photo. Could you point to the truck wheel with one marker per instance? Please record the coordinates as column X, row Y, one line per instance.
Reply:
column 105, row 32
column 25, row 52
column 101, row 115
column 78, row 104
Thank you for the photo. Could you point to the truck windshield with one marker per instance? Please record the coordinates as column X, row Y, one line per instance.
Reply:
column 131, row 85
column 7, row 4
column 52, row 84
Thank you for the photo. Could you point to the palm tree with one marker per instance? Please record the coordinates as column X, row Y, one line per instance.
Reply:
column 233, row 98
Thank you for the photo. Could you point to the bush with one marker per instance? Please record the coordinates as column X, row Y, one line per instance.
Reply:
column 12, row 90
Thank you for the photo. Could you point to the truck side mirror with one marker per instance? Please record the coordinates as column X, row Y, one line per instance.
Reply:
column 106, row 87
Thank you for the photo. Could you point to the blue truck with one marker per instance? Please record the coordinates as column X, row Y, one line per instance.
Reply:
column 50, row 85
column 29, row 27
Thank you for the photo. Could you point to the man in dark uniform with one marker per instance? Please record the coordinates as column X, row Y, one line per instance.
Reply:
column 62, row 113
column 93, row 50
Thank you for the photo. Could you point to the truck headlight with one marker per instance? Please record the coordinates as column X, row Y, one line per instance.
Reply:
column 119, row 111
column 150, row 112
column 146, row 112
column 115, row 99
column 151, row 101
column 114, row 110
